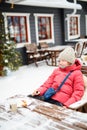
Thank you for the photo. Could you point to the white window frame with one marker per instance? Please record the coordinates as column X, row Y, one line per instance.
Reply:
column 69, row 37
column 52, row 27
column 5, row 14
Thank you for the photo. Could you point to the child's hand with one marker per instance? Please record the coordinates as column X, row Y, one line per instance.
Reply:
column 36, row 92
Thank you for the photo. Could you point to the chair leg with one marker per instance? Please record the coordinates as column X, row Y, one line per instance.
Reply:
column 36, row 64
column 46, row 61
column 35, row 61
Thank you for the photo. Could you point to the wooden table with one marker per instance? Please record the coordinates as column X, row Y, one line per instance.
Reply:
column 54, row 51
column 39, row 115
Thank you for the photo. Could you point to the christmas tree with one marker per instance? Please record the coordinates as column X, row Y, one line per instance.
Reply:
column 10, row 58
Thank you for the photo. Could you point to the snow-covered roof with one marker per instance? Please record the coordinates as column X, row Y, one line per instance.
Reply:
column 47, row 3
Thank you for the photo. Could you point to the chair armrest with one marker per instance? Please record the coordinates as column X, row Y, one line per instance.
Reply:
column 78, row 104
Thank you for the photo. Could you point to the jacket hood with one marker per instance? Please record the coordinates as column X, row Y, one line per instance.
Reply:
column 76, row 66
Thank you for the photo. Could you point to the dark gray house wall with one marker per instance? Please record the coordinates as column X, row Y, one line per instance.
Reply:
column 58, row 19
column 82, row 14
column 58, row 22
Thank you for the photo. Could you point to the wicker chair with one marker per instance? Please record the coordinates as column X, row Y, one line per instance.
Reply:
column 82, row 104
column 79, row 49
column 43, row 45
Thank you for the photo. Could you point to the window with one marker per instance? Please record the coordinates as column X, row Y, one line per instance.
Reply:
column 17, row 25
column 44, row 28
column 73, row 26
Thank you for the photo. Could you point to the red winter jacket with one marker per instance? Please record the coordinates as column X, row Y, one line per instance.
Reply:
column 73, row 88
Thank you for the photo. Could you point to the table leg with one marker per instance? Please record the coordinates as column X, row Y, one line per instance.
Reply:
column 53, row 59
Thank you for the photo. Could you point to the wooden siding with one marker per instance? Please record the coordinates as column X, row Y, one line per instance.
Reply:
column 28, row 9
column 82, row 13
column 58, row 22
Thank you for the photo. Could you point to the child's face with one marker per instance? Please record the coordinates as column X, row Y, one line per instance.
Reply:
column 63, row 63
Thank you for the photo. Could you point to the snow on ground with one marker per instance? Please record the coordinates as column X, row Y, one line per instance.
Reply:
column 24, row 80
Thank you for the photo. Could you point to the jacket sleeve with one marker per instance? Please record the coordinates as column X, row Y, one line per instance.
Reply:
column 47, row 84
column 78, row 89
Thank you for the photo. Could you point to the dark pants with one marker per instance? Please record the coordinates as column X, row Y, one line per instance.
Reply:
column 49, row 100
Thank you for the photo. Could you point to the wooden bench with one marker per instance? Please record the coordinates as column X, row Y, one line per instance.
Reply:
column 40, row 115
column 44, row 46
column 34, row 54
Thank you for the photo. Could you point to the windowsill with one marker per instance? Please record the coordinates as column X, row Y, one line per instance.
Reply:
column 77, row 40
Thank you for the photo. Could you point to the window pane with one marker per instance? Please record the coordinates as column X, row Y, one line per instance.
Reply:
column 17, row 27
column 73, row 26
column 23, row 29
column 10, row 26
column 44, row 28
